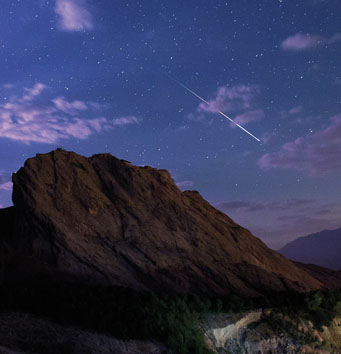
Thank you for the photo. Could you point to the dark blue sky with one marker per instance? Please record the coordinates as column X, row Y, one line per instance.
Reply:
column 93, row 76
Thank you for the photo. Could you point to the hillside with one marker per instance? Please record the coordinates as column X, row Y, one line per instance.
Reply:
column 322, row 248
column 106, row 221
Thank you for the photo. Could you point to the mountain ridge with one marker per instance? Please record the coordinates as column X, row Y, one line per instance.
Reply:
column 321, row 248
column 105, row 220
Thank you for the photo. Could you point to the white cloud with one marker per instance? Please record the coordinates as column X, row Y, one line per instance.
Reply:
column 248, row 117
column 238, row 101
column 230, row 99
column 301, row 42
column 296, row 110
column 268, row 137
column 26, row 120
column 185, row 184
column 74, row 15
column 69, row 107
column 126, row 121
column 317, row 153
column 33, row 92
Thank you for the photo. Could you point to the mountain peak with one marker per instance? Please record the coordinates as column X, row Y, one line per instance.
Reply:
column 322, row 248
column 105, row 220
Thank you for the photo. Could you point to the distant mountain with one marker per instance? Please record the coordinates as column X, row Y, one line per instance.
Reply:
column 104, row 220
column 322, row 248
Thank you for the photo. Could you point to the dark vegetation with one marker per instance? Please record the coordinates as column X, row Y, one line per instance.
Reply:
column 171, row 319
column 319, row 307
column 121, row 312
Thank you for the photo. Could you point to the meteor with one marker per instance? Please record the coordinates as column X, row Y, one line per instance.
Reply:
column 221, row 113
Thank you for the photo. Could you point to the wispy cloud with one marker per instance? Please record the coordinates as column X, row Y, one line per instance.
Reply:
column 71, row 108
column 268, row 137
column 7, row 186
column 248, row 207
column 5, row 182
column 8, row 86
column 248, row 117
column 296, row 110
column 231, row 99
column 316, row 154
column 33, row 92
column 301, row 42
column 26, row 119
column 278, row 222
column 129, row 120
column 239, row 102
column 74, row 15
column 185, row 184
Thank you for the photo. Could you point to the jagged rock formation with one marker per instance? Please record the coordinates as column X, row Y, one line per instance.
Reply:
column 107, row 221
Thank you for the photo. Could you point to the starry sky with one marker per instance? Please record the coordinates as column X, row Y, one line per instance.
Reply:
column 98, row 76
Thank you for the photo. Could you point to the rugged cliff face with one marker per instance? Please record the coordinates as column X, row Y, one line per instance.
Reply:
column 105, row 220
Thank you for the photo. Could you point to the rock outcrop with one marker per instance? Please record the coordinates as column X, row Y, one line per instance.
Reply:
column 227, row 331
column 106, row 221
column 250, row 333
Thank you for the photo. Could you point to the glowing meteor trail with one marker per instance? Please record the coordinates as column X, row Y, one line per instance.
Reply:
column 221, row 113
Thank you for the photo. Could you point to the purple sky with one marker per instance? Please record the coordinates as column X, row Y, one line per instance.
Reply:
column 93, row 77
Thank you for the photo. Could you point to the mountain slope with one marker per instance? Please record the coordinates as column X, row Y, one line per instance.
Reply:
column 322, row 248
column 107, row 221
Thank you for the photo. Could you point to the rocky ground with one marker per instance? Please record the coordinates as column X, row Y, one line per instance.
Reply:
column 250, row 333
column 229, row 334
column 26, row 334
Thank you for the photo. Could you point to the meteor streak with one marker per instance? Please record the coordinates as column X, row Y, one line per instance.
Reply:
column 221, row 113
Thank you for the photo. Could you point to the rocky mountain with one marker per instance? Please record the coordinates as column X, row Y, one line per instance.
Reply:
column 99, row 255
column 106, row 221
column 322, row 248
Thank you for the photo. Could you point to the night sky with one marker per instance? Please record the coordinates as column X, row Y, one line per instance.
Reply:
column 96, row 76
